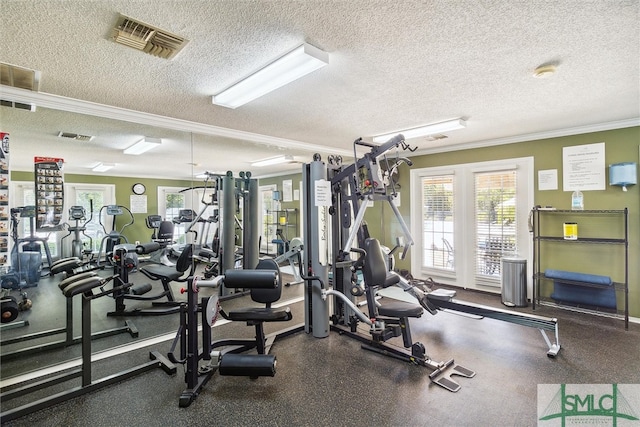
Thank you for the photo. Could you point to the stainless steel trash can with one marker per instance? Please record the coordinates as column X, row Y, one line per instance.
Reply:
column 514, row 282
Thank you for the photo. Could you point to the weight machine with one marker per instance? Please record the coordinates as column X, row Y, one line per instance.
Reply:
column 225, row 356
column 231, row 194
column 125, row 260
column 88, row 286
column 73, row 270
column 336, row 198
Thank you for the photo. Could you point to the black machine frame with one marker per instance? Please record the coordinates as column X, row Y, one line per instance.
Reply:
column 351, row 188
column 86, row 285
column 224, row 355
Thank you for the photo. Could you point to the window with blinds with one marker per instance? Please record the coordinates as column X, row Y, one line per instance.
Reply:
column 438, row 222
column 174, row 202
column 495, row 220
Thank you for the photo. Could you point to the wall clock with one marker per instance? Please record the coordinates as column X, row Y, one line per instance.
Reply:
column 138, row 188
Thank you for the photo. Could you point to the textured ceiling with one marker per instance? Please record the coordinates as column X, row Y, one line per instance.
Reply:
column 393, row 65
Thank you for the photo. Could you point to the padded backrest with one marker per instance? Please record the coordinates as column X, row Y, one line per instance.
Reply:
column 268, row 296
column 375, row 269
column 185, row 259
column 165, row 230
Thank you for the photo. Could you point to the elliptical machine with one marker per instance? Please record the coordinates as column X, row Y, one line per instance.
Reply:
column 26, row 254
column 114, row 236
column 77, row 214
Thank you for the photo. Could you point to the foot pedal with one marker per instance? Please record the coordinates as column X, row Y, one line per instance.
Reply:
column 442, row 294
column 442, row 376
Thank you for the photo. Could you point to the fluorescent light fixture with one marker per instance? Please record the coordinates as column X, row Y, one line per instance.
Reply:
column 291, row 66
column 208, row 174
column 103, row 167
column 143, row 146
column 431, row 129
column 272, row 161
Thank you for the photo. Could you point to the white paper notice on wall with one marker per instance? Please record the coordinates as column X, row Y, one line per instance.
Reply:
column 322, row 192
column 287, row 190
column 583, row 167
column 138, row 204
column 548, row 180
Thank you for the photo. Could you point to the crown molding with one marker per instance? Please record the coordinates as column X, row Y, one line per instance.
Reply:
column 62, row 103
column 598, row 127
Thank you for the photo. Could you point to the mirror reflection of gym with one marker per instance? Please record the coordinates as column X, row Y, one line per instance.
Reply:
column 53, row 322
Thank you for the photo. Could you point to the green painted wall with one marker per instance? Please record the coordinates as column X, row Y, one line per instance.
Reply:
column 137, row 231
column 621, row 145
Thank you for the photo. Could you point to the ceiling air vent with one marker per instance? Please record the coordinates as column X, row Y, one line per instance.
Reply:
column 436, row 137
column 149, row 39
column 18, row 105
column 22, row 78
column 76, row 136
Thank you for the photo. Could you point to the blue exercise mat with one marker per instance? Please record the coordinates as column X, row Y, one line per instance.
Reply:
column 574, row 293
column 593, row 279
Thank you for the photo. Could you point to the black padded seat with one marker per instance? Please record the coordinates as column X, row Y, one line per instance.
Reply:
column 261, row 314
column 393, row 308
column 65, row 265
column 257, row 316
column 264, row 296
column 164, row 235
column 376, row 275
column 79, row 284
column 167, row 274
column 161, row 272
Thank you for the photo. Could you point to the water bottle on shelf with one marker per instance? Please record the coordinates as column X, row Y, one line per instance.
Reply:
column 577, row 201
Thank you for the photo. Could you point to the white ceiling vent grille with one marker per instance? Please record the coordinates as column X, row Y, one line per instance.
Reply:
column 75, row 136
column 149, row 39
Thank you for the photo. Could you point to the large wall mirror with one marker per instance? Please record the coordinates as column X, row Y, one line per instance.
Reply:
column 165, row 173
column 153, row 183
